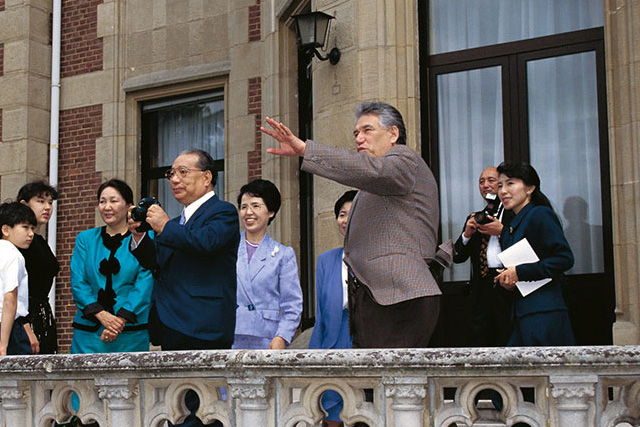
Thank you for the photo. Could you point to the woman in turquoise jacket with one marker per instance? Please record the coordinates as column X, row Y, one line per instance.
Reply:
column 110, row 288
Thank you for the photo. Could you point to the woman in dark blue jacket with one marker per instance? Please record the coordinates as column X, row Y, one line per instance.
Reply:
column 541, row 317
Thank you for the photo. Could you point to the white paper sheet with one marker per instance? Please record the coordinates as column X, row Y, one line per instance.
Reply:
column 522, row 253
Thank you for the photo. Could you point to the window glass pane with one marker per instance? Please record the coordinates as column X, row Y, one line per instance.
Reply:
column 564, row 141
column 470, row 135
column 191, row 122
column 464, row 24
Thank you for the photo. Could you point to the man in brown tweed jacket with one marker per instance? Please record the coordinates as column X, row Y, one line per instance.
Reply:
column 391, row 235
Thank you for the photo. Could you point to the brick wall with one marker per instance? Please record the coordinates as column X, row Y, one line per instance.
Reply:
column 254, row 157
column 81, row 49
column 0, row 127
column 2, row 5
column 78, row 183
column 254, row 22
column 1, row 59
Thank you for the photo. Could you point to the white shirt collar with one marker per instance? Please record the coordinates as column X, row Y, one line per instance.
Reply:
column 193, row 207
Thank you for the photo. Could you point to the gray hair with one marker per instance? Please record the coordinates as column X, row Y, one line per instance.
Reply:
column 388, row 116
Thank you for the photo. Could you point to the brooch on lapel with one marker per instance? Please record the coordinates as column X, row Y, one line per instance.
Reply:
column 275, row 251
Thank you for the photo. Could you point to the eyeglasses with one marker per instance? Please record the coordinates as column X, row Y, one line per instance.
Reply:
column 255, row 207
column 182, row 172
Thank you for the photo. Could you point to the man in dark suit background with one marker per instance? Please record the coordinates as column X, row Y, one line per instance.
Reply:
column 193, row 257
column 392, row 230
column 490, row 305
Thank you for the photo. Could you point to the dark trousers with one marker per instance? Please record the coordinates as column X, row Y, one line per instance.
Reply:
column 170, row 339
column 18, row 340
column 490, row 319
column 407, row 324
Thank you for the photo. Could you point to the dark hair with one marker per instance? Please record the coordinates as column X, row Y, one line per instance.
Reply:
column 13, row 213
column 348, row 196
column 388, row 116
column 267, row 191
column 36, row 189
column 122, row 188
column 205, row 162
column 529, row 176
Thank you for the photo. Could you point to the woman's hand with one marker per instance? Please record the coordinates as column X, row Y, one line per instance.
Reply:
column 507, row 278
column 33, row 340
column 277, row 343
column 113, row 324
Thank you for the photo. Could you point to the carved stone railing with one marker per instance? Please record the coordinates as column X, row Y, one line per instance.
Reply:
column 561, row 386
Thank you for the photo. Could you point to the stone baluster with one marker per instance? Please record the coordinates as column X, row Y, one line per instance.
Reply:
column 253, row 407
column 574, row 397
column 408, row 396
column 14, row 402
column 119, row 394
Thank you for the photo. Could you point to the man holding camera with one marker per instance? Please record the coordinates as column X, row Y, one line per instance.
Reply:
column 490, row 311
column 193, row 258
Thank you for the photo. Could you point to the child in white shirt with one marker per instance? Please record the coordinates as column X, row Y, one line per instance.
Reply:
column 18, row 223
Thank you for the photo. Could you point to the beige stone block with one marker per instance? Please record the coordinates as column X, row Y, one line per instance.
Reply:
column 246, row 61
column 177, row 42
column 11, row 183
column 237, row 99
column 177, row 12
column 139, row 50
column 215, row 34
column 111, row 54
column 236, row 172
column 241, row 134
column 39, row 124
column 13, row 157
column 107, row 19
column 87, row 89
column 13, row 89
column 619, row 84
column 106, row 155
column 241, row 4
column 39, row 25
column 141, row 16
column 16, row 57
column 336, row 128
column 159, row 13
column 159, row 45
column 37, row 158
column 13, row 24
column 196, row 38
column 39, row 59
column 14, row 124
column 239, row 27
column 39, row 92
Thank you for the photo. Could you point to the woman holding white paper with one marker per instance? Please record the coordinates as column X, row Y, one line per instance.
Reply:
column 541, row 317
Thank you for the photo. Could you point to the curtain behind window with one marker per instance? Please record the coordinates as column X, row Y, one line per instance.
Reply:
column 465, row 24
column 196, row 125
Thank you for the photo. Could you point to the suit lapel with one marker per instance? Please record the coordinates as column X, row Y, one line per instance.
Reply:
column 259, row 258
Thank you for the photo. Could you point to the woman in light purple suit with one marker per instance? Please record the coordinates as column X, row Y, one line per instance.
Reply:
column 269, row 293
column 331, row 329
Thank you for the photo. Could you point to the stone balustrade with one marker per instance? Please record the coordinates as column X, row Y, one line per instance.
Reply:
column 559, row 386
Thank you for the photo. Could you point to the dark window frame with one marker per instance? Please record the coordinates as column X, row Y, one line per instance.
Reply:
column 513, row 57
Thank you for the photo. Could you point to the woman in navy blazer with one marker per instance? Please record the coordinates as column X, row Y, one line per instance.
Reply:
column 540, row 318
column 331, row 329
column 269, row 293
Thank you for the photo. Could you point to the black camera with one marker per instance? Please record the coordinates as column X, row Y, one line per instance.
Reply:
column 139, row 213
column 484, row 216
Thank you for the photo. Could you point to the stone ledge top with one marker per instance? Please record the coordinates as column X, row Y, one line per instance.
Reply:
column 535, row 361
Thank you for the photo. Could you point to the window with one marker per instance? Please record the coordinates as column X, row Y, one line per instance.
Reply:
column 172, row 125
column 524, row 81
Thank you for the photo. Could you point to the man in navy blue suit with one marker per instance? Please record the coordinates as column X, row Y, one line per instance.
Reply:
column 193, row 257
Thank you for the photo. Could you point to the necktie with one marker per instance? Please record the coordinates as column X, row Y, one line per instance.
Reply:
column 484, row 265
column 183, row 219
